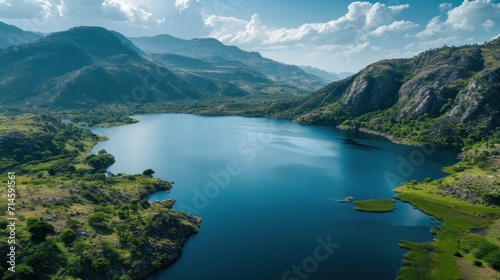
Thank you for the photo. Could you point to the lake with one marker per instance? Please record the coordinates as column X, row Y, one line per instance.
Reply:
column 267, row 189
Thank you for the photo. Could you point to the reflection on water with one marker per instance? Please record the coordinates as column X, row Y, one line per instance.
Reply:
column 268, row 217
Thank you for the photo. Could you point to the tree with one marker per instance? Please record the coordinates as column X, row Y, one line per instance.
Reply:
column 40, row 230
column 145, row 204
column 45, row 258
column 101, row 161
column 23, row 272
column 121, row 229
column 493, row 258
column 68, row 236
column 148, row 172
column 97, row 220
column 100, row 266
column 73, row 224
column 124, row 211
column 31, row 221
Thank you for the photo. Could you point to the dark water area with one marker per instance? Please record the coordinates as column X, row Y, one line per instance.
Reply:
column 267, row 189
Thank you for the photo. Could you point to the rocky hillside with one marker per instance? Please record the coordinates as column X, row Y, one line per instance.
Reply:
column 213, row 51
column 444, row 95
column 84, row 66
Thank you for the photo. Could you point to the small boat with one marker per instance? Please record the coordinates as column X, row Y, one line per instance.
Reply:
column 347, row 199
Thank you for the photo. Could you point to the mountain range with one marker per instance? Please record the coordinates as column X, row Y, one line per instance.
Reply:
column 439, row 95
column 85, row 65
column 92, row 65
column 326, row 75
column 231, row 61
column 11, row 35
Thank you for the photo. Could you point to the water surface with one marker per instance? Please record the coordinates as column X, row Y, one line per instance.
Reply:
column 264, row 187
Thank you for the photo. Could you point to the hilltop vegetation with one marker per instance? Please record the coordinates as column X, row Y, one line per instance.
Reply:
column 448, row 96
column 77, row 221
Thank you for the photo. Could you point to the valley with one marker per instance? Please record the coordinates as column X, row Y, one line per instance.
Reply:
column 101, row 225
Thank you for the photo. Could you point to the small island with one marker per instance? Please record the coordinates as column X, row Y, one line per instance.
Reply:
column 372, row 205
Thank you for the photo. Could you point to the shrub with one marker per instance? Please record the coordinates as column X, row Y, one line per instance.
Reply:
column 493, row 258
column 68, row 236
column 97, row 220
column 148, row 172
column 145, row 204
column 100, row 266
column 40, row 230
column 73, row 224
column 23, row 272
column 484, row 249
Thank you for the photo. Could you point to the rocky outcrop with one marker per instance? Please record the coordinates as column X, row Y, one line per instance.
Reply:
column 453, row 85
column 165, row 234
column 465, row 194
column 481, row 91
column 374, row 89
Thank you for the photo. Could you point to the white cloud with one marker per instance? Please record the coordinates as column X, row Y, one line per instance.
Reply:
column 488, row 24
column 360, row 19
column 181, row 18
column 223, row 28
column 182, row 5
column 349, row 41
column 14, row 9
column 190, row 6
column 444, row 7
column 365, row 33
column 467, row 18
column 126, row 11
column 396, row 26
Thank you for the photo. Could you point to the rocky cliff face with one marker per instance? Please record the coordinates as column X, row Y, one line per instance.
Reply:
column 374, row 89
column 459, row 85
column 165, row 234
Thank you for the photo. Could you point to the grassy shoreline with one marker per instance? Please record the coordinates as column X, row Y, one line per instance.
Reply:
column 375, row 206
column 95, row 225
column 456, row 250
column 443, row 264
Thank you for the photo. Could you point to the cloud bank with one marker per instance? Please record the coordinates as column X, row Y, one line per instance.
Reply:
column 365, row 33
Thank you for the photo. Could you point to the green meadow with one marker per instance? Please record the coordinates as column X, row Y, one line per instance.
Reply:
column 372, row 205
column 467, row 242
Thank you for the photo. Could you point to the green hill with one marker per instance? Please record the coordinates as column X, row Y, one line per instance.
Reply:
column 290, row 77
column 74, row 220
column 449, row 96
column 10, row 35
column 85, row 66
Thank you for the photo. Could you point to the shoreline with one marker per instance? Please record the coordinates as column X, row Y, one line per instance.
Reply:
column 378, row 133
column 396, row 193
column 105, row 215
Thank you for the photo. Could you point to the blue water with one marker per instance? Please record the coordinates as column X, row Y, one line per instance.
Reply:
column 262, row 188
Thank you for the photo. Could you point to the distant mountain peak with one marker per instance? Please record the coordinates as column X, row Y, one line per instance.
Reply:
column 211, row 49
column 11, row 35
column 95, row 40
column 84, row 65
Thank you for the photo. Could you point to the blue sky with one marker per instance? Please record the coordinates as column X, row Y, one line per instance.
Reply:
column 336, row 35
